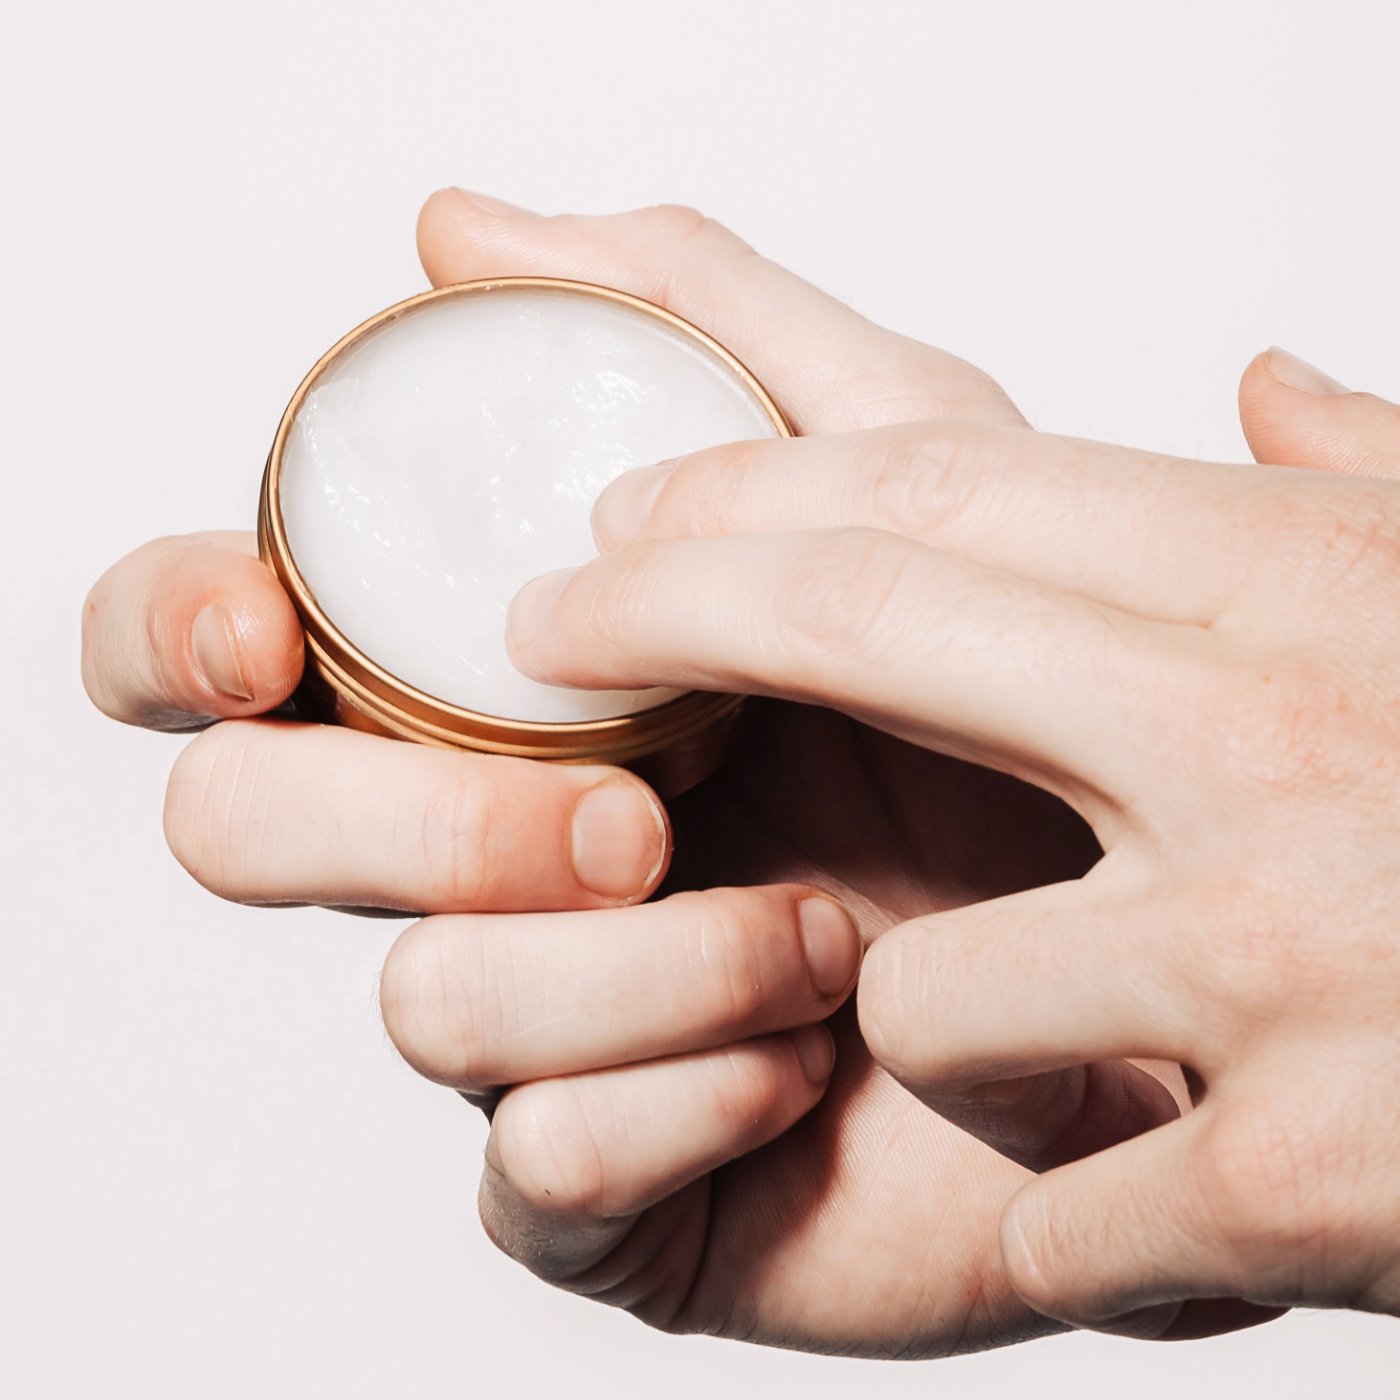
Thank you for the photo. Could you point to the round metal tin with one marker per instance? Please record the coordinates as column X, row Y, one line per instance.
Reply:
column 672, row 746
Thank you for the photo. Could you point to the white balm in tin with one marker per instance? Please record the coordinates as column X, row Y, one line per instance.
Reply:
column 448, row 451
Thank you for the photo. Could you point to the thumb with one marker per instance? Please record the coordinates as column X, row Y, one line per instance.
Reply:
column 830, row 368
column 1296, row 416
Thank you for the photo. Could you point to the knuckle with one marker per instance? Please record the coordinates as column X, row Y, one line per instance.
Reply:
column 622, row 595
column 729, row 964
column 1251, row 959
column 447, row 826
column 672, row 223
column 672, row 226
column 715, row 489
column 671, row 236
column 1257, row 949
column 1241, row 930
column 744, row 951
column 213, row 818
column 841, row 596
column 618, row 592
column 1281, row 729
column 922, row 480
column 547, row 1149
column 1329, row 544
column 746, row 1092
column 442, row 1005
column 538, row 1235
column 1039, row 1245
column 122, row 646
column 759, row 1094
column 1290, row 1189
column 1266, row 1180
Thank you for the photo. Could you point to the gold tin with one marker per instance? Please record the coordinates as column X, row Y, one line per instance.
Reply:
column 672, row 746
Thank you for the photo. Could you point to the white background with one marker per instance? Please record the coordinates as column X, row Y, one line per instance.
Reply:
column 215, row 1177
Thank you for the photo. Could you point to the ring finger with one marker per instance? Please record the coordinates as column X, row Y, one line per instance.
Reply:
column 479, row 1001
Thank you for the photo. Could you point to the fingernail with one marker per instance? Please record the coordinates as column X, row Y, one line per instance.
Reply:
column 488, row 204
column 619, row 840
column 211, row 641
column 816, row 1052
column 1299, row 374
column 621, row 513
column 532, row 606
column 831, row 944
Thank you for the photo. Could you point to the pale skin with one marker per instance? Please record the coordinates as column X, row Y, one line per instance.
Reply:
column 686, row 1138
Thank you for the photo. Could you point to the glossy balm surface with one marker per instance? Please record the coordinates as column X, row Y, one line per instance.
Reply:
column 456, row 453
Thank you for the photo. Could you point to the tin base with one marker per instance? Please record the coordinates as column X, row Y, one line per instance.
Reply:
column 671, row 769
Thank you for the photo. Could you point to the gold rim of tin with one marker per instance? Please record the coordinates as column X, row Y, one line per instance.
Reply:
column 394, row 706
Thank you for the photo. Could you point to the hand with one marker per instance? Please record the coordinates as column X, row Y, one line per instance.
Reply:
column 273, row 812
column 869, row 1225
column 1201, row 660
column 710, row 1001
column 268, row 811
column 188, row 631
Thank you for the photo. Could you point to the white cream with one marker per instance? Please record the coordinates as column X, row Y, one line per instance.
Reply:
column 456, row 453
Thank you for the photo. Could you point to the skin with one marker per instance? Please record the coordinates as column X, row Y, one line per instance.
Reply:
column 1195, row 657
column 697, row 1131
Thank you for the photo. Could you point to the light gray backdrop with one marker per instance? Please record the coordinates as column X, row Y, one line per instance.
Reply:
column 215, row 1177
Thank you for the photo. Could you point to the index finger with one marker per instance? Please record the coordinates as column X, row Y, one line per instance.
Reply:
column 188, row 629
column 947, row 653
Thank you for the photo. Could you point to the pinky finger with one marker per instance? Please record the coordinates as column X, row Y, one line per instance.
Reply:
column 573, row 1161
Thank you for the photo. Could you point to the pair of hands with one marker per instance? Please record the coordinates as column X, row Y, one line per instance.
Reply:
column 1170, row 648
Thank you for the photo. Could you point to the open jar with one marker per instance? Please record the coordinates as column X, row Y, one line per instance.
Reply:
column 447, row 451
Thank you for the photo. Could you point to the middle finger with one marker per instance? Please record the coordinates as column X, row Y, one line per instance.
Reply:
column 1163, row 537
column 270, row 812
